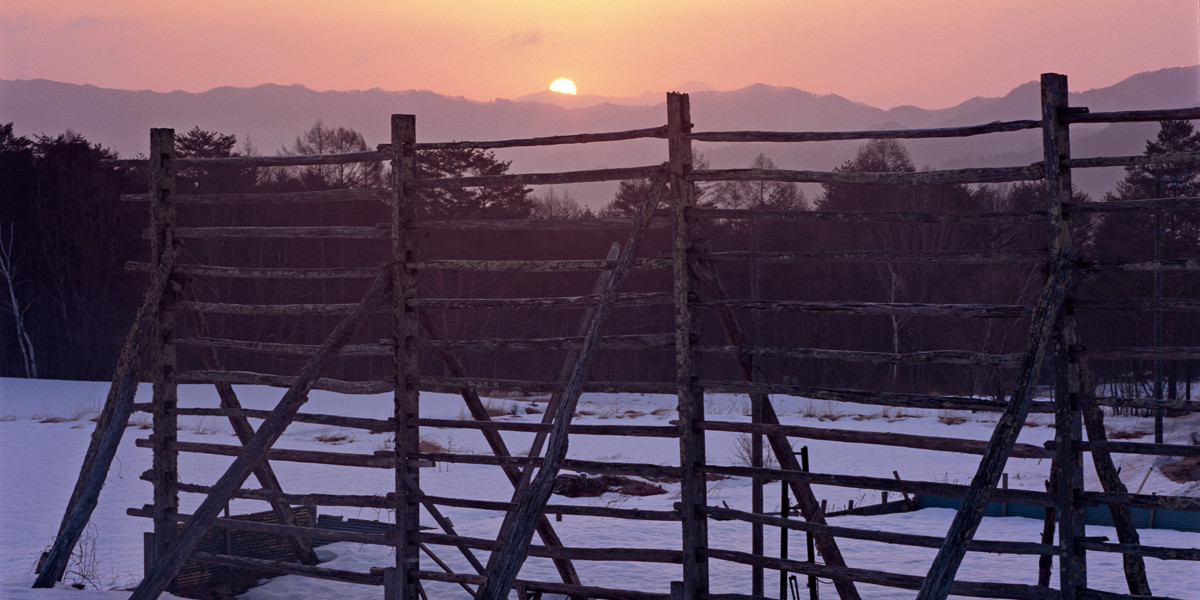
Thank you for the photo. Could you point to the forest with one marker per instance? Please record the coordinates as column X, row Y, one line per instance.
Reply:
column 66, row 236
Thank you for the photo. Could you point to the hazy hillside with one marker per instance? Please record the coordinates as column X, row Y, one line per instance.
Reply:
column 271, row 116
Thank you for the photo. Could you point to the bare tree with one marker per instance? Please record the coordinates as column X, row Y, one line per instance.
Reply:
column 8, row 272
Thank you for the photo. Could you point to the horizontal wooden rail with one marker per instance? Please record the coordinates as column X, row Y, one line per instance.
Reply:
column 869, row 397
column 1132, row 448
column 887, row 537
column 1134, row 116
column 581, row 591
column 892, row 134
column 342, row 459
column 1182, row 158
column 262, row 272
column 373, row 425
column 949, row 357
column 895, row 580
column 285, row 568
column 663, row 431
column 776, row 215
column 1144, row 403
column 430, row 383
column 650, row 555
column 615, row 224
column 933, row 257
column 379, row 349
column 294, row 160
column 538, row 178
column 876, row 308
column 308, row 533
column 324, row 232
column 1163, row 304
column 583, row 466
column 309, row 197
column 1140, row 550
column 1183, row 503
column 553, row 140
column 988, row 175
column 664, row 341
column 634, row 514
column 533, row 266
column 628, row 299
column 223, row 308
column 1169, row 353
column 878, row 438
column 1113, row 206
column 929, row 488
column 248, row 378
column 358, row 501
column 1177, row 264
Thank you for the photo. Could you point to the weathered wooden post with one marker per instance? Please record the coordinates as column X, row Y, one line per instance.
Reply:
column 1067, row 421
column 693, row 488
column 406, row 357
column 163, row 359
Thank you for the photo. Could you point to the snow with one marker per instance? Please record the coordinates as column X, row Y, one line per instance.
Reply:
column 39, row 462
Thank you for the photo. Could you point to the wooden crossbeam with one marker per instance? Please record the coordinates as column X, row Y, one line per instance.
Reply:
column 167, row 565
column 516, row 532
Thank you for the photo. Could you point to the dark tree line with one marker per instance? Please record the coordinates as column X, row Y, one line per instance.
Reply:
column 65, row 236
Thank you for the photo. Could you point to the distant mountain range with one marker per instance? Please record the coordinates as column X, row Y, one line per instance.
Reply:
column 271, row 116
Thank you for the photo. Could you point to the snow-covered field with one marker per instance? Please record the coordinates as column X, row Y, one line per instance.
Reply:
column 44, row 431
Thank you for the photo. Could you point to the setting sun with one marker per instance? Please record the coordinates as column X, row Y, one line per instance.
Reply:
column 563, row 85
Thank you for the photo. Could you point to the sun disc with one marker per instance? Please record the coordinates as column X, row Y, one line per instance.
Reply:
column 563, row 85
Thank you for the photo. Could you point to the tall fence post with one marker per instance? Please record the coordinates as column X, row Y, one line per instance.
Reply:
column 693, row 489
column 406, row 357
column 1056, row 142
column 163, row 359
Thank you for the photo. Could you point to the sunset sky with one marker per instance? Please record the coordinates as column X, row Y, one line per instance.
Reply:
column 930, row 53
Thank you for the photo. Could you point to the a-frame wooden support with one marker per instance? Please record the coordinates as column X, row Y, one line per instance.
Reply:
column 496, row 442
column 265, row 474
column 516, row 532
column 167, row 565
column 806, row 500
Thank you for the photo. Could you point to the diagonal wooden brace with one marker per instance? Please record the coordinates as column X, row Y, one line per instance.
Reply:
column 806, row 500
column 167, row 566
column 110, row 426
column 479, row 412
column 1045, row 317
column 516, row 532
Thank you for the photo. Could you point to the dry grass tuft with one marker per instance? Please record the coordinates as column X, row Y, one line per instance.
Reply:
column 429, row 445
column 334, row 437
column 950, row 417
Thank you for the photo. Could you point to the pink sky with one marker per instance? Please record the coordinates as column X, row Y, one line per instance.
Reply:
column 930, row 53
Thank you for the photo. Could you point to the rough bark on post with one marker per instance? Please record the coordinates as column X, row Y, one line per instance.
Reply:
column 693, row 489
column 406, row 358
column 1069, row 474
column 165, row 566
column 1056, row 147
column 163, row 361
column 516, row 531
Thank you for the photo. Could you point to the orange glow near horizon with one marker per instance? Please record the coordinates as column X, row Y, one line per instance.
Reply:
column 933, row 54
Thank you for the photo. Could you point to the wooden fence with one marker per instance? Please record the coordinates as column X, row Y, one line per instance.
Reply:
column 674, row 294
